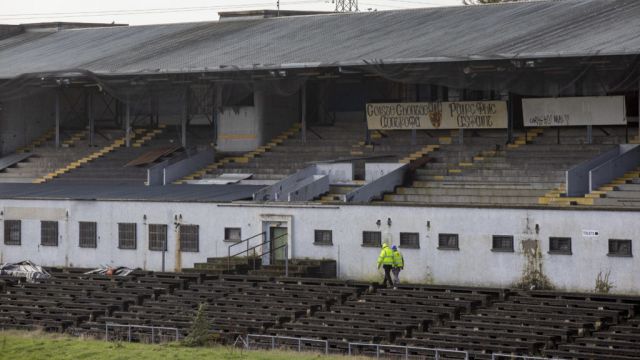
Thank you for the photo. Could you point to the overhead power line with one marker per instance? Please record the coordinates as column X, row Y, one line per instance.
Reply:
column 21, row 16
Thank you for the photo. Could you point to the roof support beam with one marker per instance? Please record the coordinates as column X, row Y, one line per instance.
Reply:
column 303, row 111
column 90, row 115
column 185, row 115
column 127, row 122
column 57, row 117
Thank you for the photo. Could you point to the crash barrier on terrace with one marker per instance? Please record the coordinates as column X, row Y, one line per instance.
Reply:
column 307, row 183
column 580, row 179
column 140, row 333
column 391, row 177
column 615, row 167
column 170, row 170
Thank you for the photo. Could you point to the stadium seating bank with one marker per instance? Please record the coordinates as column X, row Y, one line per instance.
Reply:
column 491, row 153
column 480, row 321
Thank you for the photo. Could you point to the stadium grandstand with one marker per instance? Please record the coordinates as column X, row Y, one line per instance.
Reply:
column 258, row 163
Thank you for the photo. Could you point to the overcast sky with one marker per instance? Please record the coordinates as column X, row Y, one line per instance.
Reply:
column 168, row 11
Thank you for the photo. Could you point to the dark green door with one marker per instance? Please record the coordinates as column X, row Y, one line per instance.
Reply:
column 279, row 238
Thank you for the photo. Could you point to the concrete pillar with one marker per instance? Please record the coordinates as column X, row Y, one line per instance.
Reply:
column 57, row 115
column 303, row 110
column 589, row 134
column 90, row 115
column 507, row 97
column 127, row 122
column 185, row 115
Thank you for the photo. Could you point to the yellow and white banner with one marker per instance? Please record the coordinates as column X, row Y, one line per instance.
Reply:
column 574, row 111
column 437, row 115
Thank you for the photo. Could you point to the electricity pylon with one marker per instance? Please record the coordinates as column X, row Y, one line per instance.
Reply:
column 346, row 5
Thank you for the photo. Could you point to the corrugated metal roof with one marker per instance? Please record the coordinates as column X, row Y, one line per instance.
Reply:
column 511, row 30
column 181, row 193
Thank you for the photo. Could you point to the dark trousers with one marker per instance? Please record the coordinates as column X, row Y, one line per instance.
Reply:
column 387, row 275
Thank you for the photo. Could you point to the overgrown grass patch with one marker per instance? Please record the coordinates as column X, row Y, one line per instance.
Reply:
column 35, row 345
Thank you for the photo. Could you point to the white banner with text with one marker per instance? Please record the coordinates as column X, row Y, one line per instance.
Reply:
column 574, row 111
column 437, row 115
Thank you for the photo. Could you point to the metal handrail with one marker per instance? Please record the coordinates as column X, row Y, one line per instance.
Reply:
column 274, row 337
column 496, row 356
column 238, row 243
column 437, row 351
column 129, row 327
column 229, row 256
column 286, row 258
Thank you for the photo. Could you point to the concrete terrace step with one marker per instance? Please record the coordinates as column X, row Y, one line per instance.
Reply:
column 463, row 199
column 484, row 185
column 470, row 191
column 559, row 179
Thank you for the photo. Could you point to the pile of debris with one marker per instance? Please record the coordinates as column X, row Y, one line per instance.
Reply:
column 111, row 271
column 26, row 269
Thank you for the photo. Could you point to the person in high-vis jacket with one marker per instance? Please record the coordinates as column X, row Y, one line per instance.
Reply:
column 386, row 261
column 398, row 265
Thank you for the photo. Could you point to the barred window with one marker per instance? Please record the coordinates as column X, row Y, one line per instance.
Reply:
column 618, row 247
column 560, row 245
column 12, row 232
column 410, row 240
column 49, row 233
column 322, row 237
column 448, row 242
column 190, row 238
column 232, row 234
column 372, row 238
column 127, row 236
column 503, row 243
column 88, row 234
column 158, row 237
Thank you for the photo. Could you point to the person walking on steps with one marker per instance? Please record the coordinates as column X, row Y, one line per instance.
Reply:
column 398, row 265
column 386, row 261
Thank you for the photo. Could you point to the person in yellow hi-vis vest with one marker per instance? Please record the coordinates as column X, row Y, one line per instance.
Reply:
column 386, row 261
column 398, row 265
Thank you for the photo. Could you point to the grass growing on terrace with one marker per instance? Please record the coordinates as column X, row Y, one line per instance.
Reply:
column 35, row 345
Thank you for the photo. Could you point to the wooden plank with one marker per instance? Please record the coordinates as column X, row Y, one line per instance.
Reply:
column 153, row 155
column 13, row 159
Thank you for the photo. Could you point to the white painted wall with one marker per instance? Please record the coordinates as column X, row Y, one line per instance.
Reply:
column 239, row 129
column 474, row 264
column 245, row 128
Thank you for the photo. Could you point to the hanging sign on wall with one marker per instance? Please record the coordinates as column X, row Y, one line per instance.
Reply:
column 574, row 111
column 437, row 115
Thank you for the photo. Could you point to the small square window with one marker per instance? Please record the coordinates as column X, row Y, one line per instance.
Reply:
column 158, row 237
column 232, row 234
column 49, row 233
column 560, row 245
column 410, row 240
column 88, row 234
column 190, row 238
column 448, row 241
column 372, row 238
column 502, row 243
column 323, row 237
column 12, row 232
column 127, row 236
column 619, row 247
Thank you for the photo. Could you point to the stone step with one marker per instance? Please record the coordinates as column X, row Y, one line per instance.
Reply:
column 464, row 199
column 483, row 185
column 470, row 192
column 510, row 179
